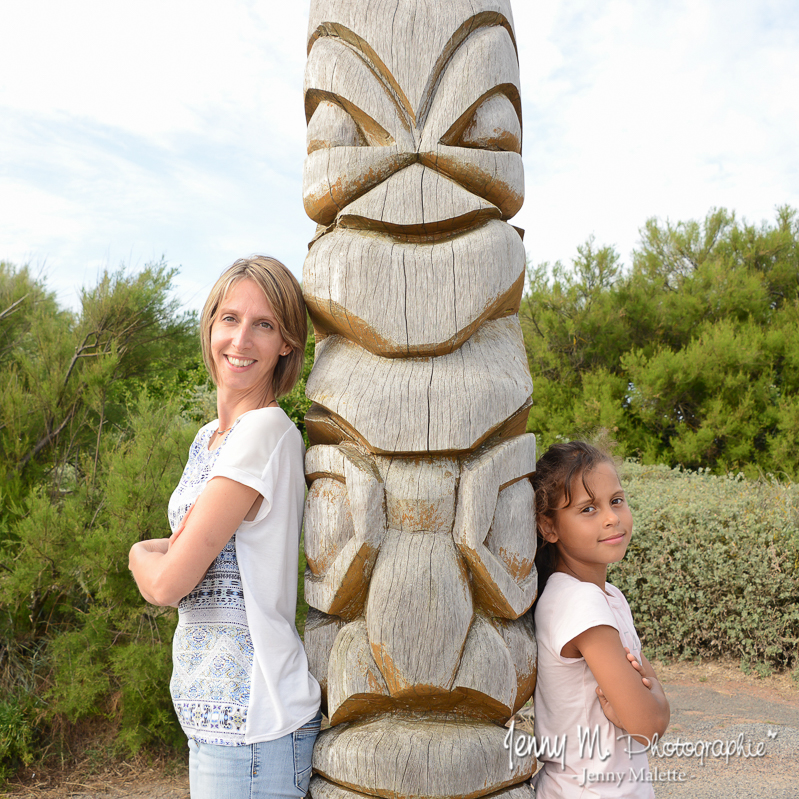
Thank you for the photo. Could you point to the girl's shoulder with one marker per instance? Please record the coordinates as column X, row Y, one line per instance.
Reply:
column 560, row 585
column 615, row 596
column 563, row 590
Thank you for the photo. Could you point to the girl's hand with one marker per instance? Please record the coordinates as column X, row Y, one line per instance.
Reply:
column 607, row 708
column 610, row 714
column 631, row 693
column 638, row 667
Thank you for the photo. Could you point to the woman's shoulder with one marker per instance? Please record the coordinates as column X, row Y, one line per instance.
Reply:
column 206, row 428
column 272, row 419
column 265, row 429
column 204, row 433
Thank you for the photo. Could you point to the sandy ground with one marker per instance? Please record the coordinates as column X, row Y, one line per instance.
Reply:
column 709, row 702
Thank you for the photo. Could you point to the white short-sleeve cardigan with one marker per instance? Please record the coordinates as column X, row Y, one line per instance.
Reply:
column 240, row 674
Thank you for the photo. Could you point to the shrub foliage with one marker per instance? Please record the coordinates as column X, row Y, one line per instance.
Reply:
column 93, row 434
column 690, row 357
column 713, row 566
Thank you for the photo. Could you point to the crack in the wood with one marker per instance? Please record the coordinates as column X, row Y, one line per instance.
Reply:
column 405, row 303
column 429, row 390
column 454, row 289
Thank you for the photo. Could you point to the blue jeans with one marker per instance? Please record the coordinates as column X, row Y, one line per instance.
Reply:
column 279, row 768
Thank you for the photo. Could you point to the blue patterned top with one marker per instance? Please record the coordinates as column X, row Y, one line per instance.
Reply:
column 212, row 651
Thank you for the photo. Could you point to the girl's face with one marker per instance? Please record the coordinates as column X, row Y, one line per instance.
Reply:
column 245, row 340
column 593, row 531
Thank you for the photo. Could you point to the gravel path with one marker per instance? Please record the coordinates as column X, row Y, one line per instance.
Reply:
column 755, row 720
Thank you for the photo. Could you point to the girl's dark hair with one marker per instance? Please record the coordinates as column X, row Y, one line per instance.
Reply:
column 554, row 476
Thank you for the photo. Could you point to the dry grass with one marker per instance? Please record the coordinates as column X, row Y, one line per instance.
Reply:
column 143, row 777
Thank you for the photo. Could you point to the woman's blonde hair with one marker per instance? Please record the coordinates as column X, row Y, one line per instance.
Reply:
column 284, row 295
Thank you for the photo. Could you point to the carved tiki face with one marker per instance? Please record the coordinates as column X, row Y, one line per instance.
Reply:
column 414, row 166
column 419, row 519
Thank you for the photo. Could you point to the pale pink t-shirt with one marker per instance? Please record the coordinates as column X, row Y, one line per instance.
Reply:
column 566, row 702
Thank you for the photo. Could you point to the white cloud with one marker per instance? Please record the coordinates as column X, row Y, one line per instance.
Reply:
column 660, row 109
column 131, row 130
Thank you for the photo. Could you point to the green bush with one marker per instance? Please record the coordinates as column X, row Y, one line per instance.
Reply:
column 97, row 412
column 713, row 566
column 689, row 356
column 16, row 737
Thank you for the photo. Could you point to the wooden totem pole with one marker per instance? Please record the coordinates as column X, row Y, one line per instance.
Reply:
column 419, row 526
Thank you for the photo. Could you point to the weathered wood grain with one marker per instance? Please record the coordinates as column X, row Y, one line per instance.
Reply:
column 510, row 538
column 420, row 494
column 425, row 405
column 494, row 125
column 456, row 287
column 332, row 126
column 334, row 176
column 420, row 513
column 400, row 756
column 341, row 588
column 419, row 592
column 496, row 176
column 320, row 635
column 482, row 477
column 320, row 788
column 519, row 637
column 335, row 69
column 355, row 685
column 484, row 65
column 397, row 205
column 487, row 674
column 325, row 462
column 416, row 40
column 328, row 523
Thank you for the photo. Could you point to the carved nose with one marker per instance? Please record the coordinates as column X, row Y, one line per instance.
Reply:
column 417, row 200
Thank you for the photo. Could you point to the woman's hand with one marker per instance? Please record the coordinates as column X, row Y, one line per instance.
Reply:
column 139, row 551
column 153, row 545
column 181, row 527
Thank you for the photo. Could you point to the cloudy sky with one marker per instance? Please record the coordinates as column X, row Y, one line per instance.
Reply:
column 135, row 130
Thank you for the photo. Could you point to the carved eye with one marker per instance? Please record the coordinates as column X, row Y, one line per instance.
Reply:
column 493, row 125
column 332, row 126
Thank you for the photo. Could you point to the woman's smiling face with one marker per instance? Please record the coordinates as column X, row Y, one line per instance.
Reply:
column 245, row 341
column 595, row 529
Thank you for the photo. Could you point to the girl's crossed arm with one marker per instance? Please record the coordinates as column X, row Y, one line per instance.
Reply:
column 166, row 571
column 635, row 694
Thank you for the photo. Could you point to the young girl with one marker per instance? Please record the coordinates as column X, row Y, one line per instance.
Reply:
column 594, row 684
column 240, row 683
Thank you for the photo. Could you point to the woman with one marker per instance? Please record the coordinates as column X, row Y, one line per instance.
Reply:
column 240, row 683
